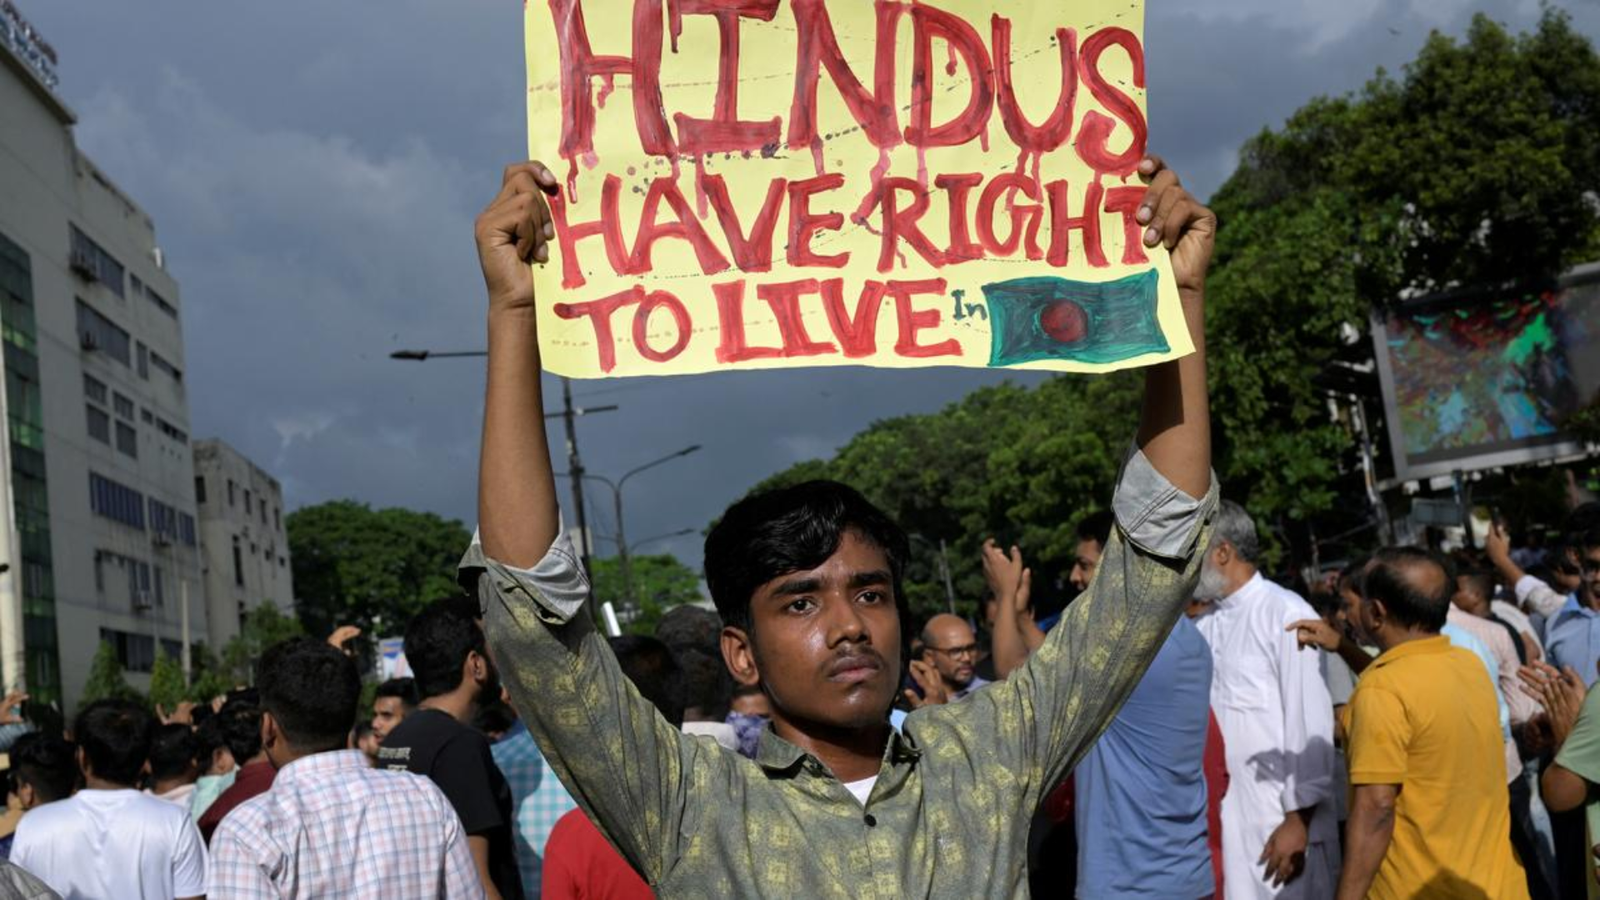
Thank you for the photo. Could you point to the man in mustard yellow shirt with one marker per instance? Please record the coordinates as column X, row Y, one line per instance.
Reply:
column 1429, row 816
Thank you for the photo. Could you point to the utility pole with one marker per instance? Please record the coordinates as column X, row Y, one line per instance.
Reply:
column 569, row 414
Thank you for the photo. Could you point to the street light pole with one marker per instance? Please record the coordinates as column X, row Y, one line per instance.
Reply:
column 616, row 499
column 569, row 414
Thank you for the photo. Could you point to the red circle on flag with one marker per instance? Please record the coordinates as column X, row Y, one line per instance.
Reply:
column 1065, row 321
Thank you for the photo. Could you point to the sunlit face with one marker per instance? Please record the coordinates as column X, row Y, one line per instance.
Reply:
column 1084, row 564
column 824, row 643
column 387, row 712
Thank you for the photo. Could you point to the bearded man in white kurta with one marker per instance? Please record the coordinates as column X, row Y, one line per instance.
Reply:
column 1280, row 834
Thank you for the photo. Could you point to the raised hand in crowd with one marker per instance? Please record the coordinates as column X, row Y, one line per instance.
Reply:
column 927, row 678
column 341, row 638
column 182, row 714
column 1015, row 633
column 10, row 707
column 1561, row 691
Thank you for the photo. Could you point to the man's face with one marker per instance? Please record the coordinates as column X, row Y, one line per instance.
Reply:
column 1213, row 583
column 1083, row 566
column 1589, row 573
column 387, row 712
column 825, row 643
column 953, row 650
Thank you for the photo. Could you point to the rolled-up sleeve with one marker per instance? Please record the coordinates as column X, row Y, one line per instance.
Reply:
column 621, row 761
column 1046, row 714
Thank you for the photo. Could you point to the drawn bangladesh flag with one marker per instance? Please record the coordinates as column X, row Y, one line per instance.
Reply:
column 1049, row 318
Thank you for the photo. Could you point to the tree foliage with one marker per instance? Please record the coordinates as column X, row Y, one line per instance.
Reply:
column 357, row 565
column 1477, row 166
column 660, row 582
column 106, row 681
column 167, row 689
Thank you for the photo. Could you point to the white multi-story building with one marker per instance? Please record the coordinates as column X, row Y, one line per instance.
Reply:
column 100, row 538
column 242, row 538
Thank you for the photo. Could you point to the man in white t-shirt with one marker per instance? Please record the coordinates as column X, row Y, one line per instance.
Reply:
column 110, row 840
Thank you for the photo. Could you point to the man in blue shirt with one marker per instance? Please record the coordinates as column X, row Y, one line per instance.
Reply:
column 1140, row 808
column 1572, row 637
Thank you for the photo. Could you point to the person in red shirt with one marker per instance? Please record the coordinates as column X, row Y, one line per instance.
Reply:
column 240, row 720
column 579, row 863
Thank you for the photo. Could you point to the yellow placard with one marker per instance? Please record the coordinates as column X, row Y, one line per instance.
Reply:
column 776, row 183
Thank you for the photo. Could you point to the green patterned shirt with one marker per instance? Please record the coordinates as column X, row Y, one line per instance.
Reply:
column 950, row 811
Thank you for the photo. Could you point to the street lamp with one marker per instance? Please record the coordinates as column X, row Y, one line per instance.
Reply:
column 616, row 497
column 568, row 412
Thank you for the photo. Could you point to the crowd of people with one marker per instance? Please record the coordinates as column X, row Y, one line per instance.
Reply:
column 1415, row 725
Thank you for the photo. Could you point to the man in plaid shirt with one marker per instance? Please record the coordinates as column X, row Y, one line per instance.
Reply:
column 331, row 826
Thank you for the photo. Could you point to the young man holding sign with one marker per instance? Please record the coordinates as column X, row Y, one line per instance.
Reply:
column 837, row 804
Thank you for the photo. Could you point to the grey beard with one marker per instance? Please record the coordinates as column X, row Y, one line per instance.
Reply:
column 1213, row 585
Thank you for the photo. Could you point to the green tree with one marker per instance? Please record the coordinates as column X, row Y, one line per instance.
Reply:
column 1475, row 168
column 263, row 626
column 167, row 689
column 660, row 582
column 354, row 565
column 105, row 679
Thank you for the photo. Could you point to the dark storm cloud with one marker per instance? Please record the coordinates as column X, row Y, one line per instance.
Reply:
column 313, row 170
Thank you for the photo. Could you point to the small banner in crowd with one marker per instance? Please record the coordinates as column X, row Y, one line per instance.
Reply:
column 779, row 183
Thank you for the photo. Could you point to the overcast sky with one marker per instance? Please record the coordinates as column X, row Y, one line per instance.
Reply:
column 313, row 170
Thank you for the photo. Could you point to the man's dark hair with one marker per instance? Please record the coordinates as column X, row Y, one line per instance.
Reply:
column 239, row 724
column 115, row 736
column 438, row 640
column 1395, row 577
column 1096, row 526
column 312, row 690
column 1476, row 581
column 173, row 752
column 494, row 718
column 1326, row 603
column 1350, row 575
column 794, row 529
column 1585, row 541
column 707, row 685
column 46, row 763
column 652, row 668
column 689, row 627
column 404, row 689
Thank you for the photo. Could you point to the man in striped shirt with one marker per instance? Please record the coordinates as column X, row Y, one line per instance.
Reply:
column 331, row 826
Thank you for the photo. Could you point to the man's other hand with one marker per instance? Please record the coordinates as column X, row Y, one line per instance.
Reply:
column 1285, row 852
column 927, row 678
column 1316, row 633
column 515, row 231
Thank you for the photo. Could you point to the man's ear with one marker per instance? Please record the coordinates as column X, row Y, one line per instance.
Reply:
column 740, row 656
column 271, row 735
column 83, row 762
column 476, row 668
column 25, row 796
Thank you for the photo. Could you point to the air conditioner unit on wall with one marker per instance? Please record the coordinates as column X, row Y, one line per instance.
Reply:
column 142, row 601
column 161, row 539
column 88, row 341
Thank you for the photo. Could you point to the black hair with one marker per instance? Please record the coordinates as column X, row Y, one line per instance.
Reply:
column 362, row 729
column 652, row 668
column 1585, row 541
column 1584, row 519
column 115, row 736
column 438, row 641
column 1350, row 575
column 239, row 726
column 1096, row 526
column 312, row 690
column 1393, row 579
column 689, row 627
column 1477, row 581
column 794, row 529
column 1326, row 603
column 494, row 718
column 707, row 685
column 404, row 689
column 173, row 752
column 46, row 763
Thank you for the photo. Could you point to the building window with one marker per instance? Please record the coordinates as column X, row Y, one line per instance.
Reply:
column 94, row 389
column 160, row 302
column 263, row 512
column 115, row 501
column 172, row 431
column 199, row 489
column 123, row 406
column 230, row 492
column 160, row 363
column 166, row 522
column 136, row 652
column 186, row 532
column 247, row 501
column 99, row 424
column 148, row 417
column 238, row 563
column 91, row 260
column 277, row 520
column 127, row 440
column 143, row 354
column 100, row 334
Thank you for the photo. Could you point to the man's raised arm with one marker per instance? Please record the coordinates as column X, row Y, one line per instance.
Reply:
column 1175, row 427
column 517, row 514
